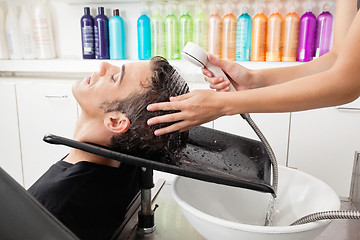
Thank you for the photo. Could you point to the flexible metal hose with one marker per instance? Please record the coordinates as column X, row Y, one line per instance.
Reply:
column 327, row 215
column 268, row 149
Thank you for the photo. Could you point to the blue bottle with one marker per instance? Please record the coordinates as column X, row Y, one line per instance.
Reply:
column 101, row 28
column 243, row 37
column 87, row 35
column 144, row 37
column 117, row 36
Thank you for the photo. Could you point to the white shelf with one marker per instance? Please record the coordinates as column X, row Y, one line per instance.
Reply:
column 88, row 66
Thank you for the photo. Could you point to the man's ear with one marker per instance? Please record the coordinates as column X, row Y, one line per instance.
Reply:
column 117, row 122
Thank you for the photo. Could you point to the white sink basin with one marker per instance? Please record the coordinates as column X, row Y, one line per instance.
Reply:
column 223, row 212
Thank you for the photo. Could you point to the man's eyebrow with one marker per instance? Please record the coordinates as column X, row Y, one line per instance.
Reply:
column 122, row 72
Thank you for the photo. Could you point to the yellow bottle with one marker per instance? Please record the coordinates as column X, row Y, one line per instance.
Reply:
column 258, row 43
column 290, row 37
column 214, row 34
column 273, row 42
column 228, row 40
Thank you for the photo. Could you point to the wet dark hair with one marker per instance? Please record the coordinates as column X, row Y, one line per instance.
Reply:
column 140, row 139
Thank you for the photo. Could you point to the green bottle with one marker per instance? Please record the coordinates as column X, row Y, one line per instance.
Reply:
column 172, row 37
column 200, row 29
column 186, row 29
column 157, row 35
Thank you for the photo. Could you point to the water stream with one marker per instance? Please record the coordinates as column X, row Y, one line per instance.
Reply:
column 271, row 211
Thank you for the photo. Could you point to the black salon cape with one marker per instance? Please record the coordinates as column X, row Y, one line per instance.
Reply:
column 90, row 199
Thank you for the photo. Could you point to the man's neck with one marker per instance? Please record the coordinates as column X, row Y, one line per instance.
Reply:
column 91, row 131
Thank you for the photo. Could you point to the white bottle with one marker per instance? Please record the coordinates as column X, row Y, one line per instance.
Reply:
column 43, row 35
column 4, row 53
column 13, row 34
column 26, row 33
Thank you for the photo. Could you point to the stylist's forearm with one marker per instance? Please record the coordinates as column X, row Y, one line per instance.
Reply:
column 301, row 94
column 268, row 77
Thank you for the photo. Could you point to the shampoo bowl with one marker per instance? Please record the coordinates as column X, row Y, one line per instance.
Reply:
column 224, row 212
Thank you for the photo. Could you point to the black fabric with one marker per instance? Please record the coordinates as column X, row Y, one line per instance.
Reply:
column 90, row 199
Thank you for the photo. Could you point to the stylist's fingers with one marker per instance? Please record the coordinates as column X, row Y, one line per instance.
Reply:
column 180, row 126
column 218, row 83
column 167, row 118
column 225, row 65
column 207, row 72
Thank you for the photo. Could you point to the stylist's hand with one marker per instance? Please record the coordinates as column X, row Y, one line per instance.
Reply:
column 196, row 108
column 237, row 74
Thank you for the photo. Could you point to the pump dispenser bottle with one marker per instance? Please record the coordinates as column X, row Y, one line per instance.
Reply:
column 274, row 31
column 259, row 30
column 117, row 36
column 307, row 37
column 157, row 34
column 172, row 35
column 200, row 29
column 13, row 34
column 243, row 36
column 186, row 28
column 101, row 28
column 43, row 34
column 214, row 33
column 290, row 36
column 4, row 53
column 324, row 32
column 87, row 35
column 228, row 42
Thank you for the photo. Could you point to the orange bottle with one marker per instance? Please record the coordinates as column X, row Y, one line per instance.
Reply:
column 273, row 42
column 290, row 37
column 258, row 43
column 214, row 34
column 228, row 40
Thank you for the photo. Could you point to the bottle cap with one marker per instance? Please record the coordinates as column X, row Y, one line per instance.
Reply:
column 86, row 10
column 101, row 10
column 326, row 7
column 116, row 12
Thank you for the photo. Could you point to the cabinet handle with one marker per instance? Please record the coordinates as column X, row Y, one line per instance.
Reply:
column 56, row 96
column 348, row 108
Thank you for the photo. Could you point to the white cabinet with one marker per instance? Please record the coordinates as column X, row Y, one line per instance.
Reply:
column 10, row 156
column 274, row 126
column 323, row 143
column 44, row 107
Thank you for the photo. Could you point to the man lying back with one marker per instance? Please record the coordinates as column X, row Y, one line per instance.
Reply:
column 88, row 193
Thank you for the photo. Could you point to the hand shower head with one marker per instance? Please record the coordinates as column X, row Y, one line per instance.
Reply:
column 195, row 54
column 198, row 56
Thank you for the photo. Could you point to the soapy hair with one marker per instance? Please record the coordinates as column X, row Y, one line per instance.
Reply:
column 139, row 139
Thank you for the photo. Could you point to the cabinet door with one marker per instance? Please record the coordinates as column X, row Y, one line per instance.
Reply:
column 44, row 108
column 275, row 128
column 10, row 156
column 323, row 143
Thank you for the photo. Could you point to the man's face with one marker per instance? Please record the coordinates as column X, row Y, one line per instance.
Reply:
column 110, row 83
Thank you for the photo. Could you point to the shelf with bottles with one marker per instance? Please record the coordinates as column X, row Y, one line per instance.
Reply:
column 262, row 38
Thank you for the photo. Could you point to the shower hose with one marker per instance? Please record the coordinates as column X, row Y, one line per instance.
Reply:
column 327, row 215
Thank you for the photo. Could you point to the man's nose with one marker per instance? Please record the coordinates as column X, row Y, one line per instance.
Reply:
column 104, row 67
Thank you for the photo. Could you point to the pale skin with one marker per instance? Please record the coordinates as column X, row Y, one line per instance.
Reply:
column 94, row 125
column 330, row 80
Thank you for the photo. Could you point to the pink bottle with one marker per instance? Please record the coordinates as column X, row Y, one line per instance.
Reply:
column 324, row 31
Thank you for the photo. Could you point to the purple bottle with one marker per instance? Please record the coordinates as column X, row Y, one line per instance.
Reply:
column 307, row 37
column 101, row 29
column 324, row 32
column 87, row 35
